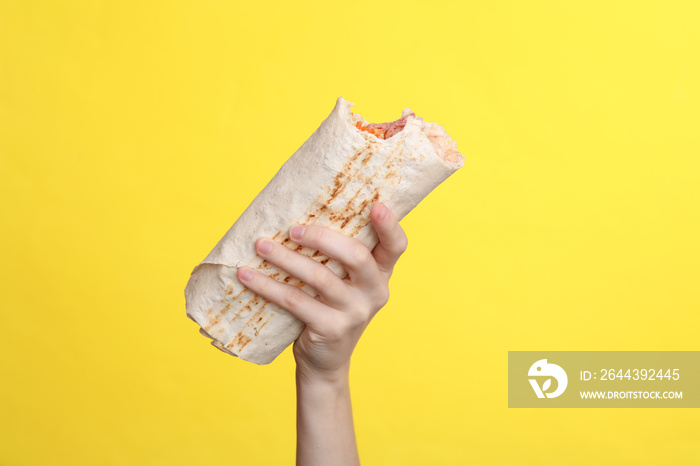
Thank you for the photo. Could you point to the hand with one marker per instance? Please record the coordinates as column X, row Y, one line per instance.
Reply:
column 336, row 318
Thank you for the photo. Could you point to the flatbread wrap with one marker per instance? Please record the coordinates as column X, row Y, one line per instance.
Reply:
column 335, row 177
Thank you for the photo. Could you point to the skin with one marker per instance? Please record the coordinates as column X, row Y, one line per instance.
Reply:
column 335, row 321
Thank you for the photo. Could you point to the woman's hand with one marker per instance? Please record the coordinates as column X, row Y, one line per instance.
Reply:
column 336, row 318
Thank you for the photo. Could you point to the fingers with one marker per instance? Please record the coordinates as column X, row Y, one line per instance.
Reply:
column 298, row 303
column 354, row 255
column 392, row 239
column 368, row 271
column 329, row 286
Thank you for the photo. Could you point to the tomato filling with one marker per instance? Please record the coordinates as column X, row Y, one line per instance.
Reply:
column 444, row 146
column 385, row 130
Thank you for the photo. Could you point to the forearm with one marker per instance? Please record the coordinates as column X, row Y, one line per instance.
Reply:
column 325, row 432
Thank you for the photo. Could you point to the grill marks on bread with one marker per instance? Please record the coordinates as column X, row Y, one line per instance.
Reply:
column 352, row 181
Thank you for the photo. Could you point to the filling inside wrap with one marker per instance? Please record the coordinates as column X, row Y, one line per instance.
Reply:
column 444, row 146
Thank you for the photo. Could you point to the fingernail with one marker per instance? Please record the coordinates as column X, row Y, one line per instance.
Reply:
column 265, row 246
column 383, row 212
column 245, row 274
column 297, row 231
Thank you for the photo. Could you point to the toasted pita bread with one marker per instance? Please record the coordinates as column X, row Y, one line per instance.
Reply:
column 332, row 180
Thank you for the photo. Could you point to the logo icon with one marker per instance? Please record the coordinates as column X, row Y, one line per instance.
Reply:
column 543, row 369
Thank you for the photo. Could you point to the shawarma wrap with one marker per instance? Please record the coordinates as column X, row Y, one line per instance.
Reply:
column 333, row 180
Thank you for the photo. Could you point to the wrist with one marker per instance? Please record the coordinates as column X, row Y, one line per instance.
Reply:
column 312, row 377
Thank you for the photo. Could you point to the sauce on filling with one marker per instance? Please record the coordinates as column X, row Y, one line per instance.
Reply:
column 385, row 130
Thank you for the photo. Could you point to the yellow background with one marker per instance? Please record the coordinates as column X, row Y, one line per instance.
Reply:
column 133, row 134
